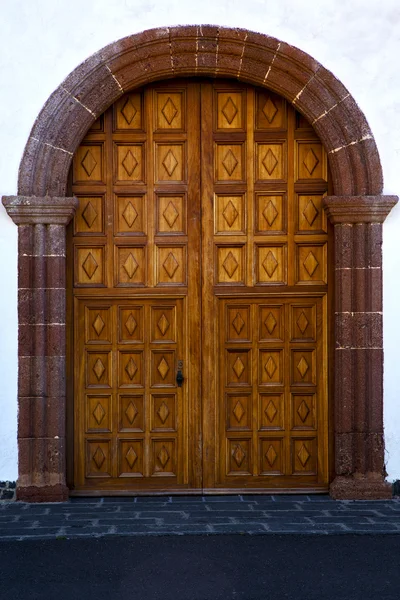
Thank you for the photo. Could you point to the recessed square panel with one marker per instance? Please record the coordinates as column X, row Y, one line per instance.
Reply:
column 130, row 324
column 98, row 413
column 271, row 264
column 304, row 456
column 170, row 163
column 131, row 215
column 98, row 325
column 271, row 322
column 230, row 163
column 130, row 163
column 271, row 111
column 130, row 369
column 239, row 456
column 271, row 456
column 171, row 214
column 130, row 266
column 131, row 412
column 130, row 458
column 170, row 110
column 270, row 217
column 98, row 458
column 88, row 219
column 230, row 214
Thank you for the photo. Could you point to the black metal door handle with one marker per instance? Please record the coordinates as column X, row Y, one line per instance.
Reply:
column 179, row 374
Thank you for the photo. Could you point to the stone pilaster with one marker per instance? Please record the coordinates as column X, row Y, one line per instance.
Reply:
column 358, row 397
column 41, row 344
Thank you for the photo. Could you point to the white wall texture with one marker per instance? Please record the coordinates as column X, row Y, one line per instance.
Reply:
column 43, row 40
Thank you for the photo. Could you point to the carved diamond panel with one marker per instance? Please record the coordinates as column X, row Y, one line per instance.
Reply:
column 270, row 367
column 89, row 266
column 98, row 369
column 303, row 411
column 230, row 114
column 131, row 412
column 98, row 413
column 237, row 323
column 163, row 368
column 98, row 463
column 270, row 111
column 163, row 458
column 130, row 324
column 312, row 263
column 272, row 265
column 271, row 322
column 239, row 457
column 163, row 323
column 131, row 215
column 130, row 162
column 170, row 107
column 238, row 412
column 303, row 322
column 171, row 211
column 231, row 265
column 131, row 263
column 130, row 368
column 270, row 213
column 304, row 456
column 238, row 370
column 311, row 161
column 131, row 458
column 170, row 162
column 271, row 411
column 311, row 215
column 303, row 367
column 89, row 216
column 97, row 325
column 271, row 161
column 128, row 112
column 229, row 162
column 171, row 265
column 271, row 456
column 229, row 214
column 163, row 412
column 88, row 163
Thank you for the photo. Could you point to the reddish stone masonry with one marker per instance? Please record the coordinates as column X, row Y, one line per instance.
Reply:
column 357, row 210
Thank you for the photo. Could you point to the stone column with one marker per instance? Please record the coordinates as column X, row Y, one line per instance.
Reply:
column 41, row 344
column 358, row 397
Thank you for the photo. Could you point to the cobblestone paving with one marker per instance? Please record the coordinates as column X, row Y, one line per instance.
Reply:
column 184, row 515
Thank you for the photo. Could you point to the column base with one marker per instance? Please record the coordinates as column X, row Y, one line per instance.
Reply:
column 371, row 487
column 47, row 493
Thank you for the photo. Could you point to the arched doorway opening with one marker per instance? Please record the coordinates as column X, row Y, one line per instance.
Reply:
column 357, row 210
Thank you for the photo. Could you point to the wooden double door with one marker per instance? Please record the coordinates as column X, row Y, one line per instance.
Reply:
column 198, row 265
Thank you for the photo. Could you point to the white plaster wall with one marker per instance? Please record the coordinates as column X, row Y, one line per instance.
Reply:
column 43, row 40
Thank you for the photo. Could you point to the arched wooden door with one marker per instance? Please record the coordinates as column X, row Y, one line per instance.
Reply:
column 200, row 249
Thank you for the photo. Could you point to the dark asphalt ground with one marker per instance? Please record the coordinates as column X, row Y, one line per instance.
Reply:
column 228, row 567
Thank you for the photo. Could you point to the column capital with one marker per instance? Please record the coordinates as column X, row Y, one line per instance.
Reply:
column 46, row 210
column 358, row 209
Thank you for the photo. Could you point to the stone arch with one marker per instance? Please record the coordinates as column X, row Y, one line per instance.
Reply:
column 200, row 51
column 357, row 211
